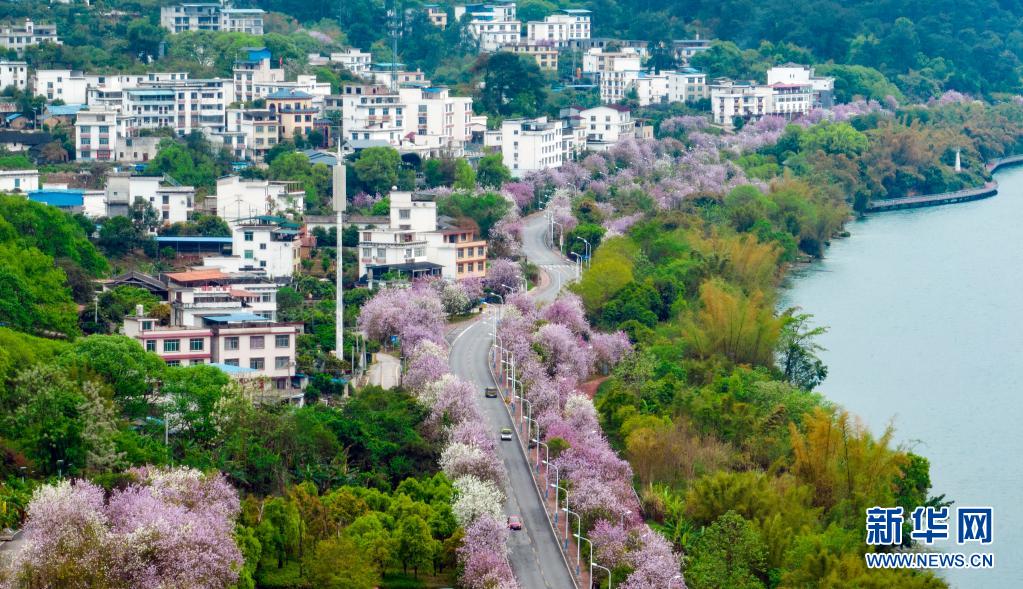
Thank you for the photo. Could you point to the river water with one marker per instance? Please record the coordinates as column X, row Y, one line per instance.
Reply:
column 925, row 316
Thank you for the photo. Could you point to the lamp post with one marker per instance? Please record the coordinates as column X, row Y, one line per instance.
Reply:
column 547, row 454
column 589, row 251
column 560, row 488
column 60, row 469
column 529, row 431
column 581, row 538
column 547, row 487
column 577, row 263
column 579, row 532
column 529, row 415
column 561, row 238
column 610, row 582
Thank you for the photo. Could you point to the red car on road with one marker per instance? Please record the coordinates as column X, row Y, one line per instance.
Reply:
column 514, row 522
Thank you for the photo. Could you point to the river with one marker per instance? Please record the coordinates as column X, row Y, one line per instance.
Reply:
column 925, row 316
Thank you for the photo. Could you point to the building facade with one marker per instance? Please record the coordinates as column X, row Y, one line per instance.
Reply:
column 561, row 28
column 18, row 37
column 180, row 18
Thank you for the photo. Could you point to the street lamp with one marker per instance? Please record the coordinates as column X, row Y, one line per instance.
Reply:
column 589, row 251
column 60, row 469
column 529, row 414
column 547, row 486
column 530, row 423
column 561, row 239
column 577, row 263
column 547, row 453
column 581, row 538
column 560, row 488
column 610, row 582
column 579, row 532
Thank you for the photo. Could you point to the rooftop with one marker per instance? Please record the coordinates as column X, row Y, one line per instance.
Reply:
column 288, row 94
column 192, row 239
column 232, row 370
column 196, row 275
column 236, row 318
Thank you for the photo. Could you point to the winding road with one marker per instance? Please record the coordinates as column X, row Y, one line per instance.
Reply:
column 535, row 554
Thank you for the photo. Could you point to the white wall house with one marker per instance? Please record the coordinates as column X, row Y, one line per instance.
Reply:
column 98, row 134
column 492, row 25
column 687, row 85
column 211, row 17
column 607, row 124
column 173, row 204
column 20, row 36
column 560, row 29
column 791, row 91
column 13, row 73
column 239, row 198
column 598, row 60
column 19, row 180
column 415, row 245
column 528, row 145
column 794, row 74
column 73, row 86
column 266, row 244
column 356, row 61
column 731, row 99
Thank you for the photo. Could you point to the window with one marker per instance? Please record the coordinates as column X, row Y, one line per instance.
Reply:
column 460, row 268
column 195, row 344
column 282, row 362
column 248, row 254
column 266, row 297
column 198, row 362
column 150, row 345
column 231, row 343
column 256, row 363
column 404, row 214
column 231, row 362
column 367, row 252
column 282, row 341
column 171, row 345
column 147, row 325
column 248, row 236
column 256, row 342
column 173, row 362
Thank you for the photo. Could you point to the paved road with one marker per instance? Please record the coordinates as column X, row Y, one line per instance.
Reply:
column 534, row 552
column 535, row 236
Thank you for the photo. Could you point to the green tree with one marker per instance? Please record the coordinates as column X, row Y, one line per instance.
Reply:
column 338, row 563
column 416, row 546
column 34, row 295
column 729, row 555
column 485, row 209
column 118, row 236
column 377, row 169
column 512, row 85
column 193, row 395
column 120, row 362
column 492, row 173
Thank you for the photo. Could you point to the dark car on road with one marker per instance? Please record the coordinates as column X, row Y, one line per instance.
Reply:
column 490, row 392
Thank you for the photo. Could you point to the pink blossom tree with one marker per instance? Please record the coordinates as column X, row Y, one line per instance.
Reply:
column 503, row 276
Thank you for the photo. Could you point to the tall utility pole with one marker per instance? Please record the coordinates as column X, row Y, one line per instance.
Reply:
column 394, row 18
column 340, row 203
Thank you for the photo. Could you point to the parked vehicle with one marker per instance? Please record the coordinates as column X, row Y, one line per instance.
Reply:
column 506, row 434
column 514, row 522
column 490, row 392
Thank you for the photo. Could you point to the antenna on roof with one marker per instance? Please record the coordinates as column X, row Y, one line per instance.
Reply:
column 394, row 28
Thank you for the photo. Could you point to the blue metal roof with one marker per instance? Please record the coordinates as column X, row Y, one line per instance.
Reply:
column 235, row 318
column 64, row 109
column 284, row 93
column 13, row 116
column 192, row 239
column 232, row 370
column 58, row 197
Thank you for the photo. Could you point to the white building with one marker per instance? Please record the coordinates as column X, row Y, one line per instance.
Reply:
column 211, row 17
column 172, row 203
column 18, row 37
column 239, row 198
column 492, row 25
column 73, row 87
column 256, row 69
column 606, row 125
column 356, row 61
column 731, row 99
column 599, row 60
column 560, row 29
column 267, row 244
column 19, row 180
column 529, row 145
column 414, row 245
column 204, row 291
column 686, row 49
column 98, row 134
column 794, row 74
column 687, row 85
column 13, row 74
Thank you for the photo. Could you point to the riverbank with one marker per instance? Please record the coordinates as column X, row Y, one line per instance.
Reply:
column 929, row 200
column 917, row 337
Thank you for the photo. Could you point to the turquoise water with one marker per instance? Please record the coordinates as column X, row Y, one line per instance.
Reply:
column 925, row 310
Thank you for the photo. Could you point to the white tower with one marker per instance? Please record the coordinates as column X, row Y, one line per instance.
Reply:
column 959, row 163
column 340, row 203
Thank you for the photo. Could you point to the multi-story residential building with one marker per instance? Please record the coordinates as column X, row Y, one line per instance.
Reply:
column 437, row 15
column 204, row 291
column 610, row 44
column 173, row 203
column 614, row 85
column 239, row 198
column 599, row 60
column 249, row 342
column 18, row 37
column 730, row 99
column 791, row 91
column 397, row 76
column 823, row 88
column 98, row 134
column 294, row 111
column 139, row 149
column 687, row 85
column 13, row 74
column 413, row 244
column 318, row 91
column 254, row 69
column 19, row 180
column 561, row 28
column 260, row 128
column 352, row 59
column 685, row 49
column 545, row 54
column 73, row 87
column 269, row 244
column 606, row 125
column 529, row 145
column 434, row 113
column 211, row 17
column 492, row 25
